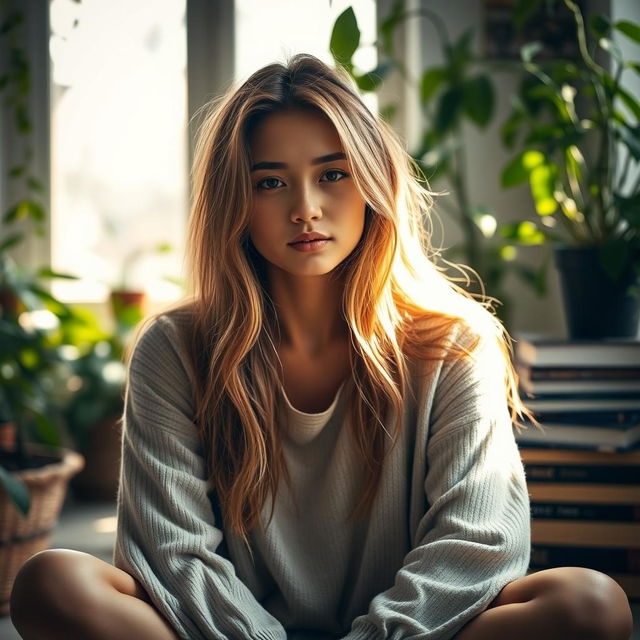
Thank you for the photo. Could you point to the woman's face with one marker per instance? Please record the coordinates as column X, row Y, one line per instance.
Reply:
column 302, row 185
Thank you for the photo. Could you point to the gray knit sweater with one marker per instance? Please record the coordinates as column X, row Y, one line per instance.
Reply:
column 448, row 529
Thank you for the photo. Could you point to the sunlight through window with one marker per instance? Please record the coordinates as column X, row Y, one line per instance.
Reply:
column 119, row 150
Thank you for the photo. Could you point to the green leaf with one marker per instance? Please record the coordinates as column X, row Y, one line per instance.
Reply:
column 16, row 172
column 630, row 102
column 431, row 81
column 633, row 65
column 519, row 169
column 509, row 130
column 47, row 431
column 45, row 272
column 11, row 241
column 599, row 25
column 345, row 37
column 629, row 29
column 25, row 209
column 575, row 163
column 460, row 51
column 631, row 137
column 478, row 99
column 16, row 490
column 448, row 109
column 371, row 80
column 525, row 232
column 543, row 181
column 34, row 184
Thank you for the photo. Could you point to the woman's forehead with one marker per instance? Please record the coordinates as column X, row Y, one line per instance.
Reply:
column 300, row 132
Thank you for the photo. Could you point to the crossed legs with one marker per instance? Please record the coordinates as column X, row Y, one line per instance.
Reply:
column 80, row 596
column 565, row 603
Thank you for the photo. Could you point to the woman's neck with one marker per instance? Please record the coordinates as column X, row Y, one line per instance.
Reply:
column 309, row 311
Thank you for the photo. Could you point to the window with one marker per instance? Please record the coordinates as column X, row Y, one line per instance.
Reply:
column 285, row 27
column 119, row 147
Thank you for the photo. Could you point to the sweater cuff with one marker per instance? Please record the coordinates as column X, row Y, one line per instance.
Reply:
column 364, row 631
column 268, row 635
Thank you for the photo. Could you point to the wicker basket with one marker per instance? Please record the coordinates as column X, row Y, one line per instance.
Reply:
column 21, row 537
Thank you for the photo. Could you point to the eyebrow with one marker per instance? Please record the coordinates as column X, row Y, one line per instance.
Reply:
column 282, row 165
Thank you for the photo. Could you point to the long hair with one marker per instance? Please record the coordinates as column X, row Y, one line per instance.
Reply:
column 397, row 303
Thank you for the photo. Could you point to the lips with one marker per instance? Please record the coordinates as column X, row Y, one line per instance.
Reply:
column 309, row 237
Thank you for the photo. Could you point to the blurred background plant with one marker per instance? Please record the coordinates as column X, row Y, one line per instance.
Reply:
column 576, row 130
column 30, row 318
column 452, row 95
column 61, row 372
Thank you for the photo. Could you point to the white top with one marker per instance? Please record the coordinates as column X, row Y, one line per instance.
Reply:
column 303, row 427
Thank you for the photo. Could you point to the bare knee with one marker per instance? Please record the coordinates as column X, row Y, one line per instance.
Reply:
column 587, row 604
column 63, row 582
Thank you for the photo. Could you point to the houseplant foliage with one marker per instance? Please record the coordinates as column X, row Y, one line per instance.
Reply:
column 576, row 130
column 31, row 342
column 456, row 93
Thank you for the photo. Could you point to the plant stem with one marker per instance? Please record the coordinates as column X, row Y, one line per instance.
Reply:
column 597, row 79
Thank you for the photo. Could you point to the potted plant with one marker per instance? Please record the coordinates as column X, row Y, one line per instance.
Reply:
column 453, row 94
column 577, row 131
column 35, row 466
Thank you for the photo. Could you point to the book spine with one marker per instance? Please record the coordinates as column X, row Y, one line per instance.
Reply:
column 592, row 474
column 544, row 556
column 575, row 511
column 592, row 417
column 555, row 373
column 584, row 493
column 586, row 533
column 555, row 455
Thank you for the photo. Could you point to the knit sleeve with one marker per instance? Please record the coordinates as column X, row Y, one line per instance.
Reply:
column 475, row 536
column 166, row 534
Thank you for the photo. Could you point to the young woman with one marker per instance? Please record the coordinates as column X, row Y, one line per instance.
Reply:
column 319, row 444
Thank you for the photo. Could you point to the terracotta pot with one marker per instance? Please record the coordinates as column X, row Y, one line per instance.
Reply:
column 127, row 299
column 20, row 536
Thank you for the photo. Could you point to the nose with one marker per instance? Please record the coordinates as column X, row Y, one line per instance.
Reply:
column 306, row 206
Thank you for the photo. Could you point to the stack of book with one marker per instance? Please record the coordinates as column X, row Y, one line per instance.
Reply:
column 583, row 465
column 585, row 508
column 585, row 394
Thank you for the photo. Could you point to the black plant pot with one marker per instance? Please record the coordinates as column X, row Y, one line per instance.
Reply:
column 595, row 305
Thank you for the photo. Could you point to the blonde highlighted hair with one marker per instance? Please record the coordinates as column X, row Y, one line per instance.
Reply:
column 397, row 303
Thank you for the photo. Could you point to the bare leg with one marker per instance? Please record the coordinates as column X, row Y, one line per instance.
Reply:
column 80, row 596
column 565, row 604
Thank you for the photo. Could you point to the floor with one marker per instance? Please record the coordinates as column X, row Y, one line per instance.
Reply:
column 90, row 527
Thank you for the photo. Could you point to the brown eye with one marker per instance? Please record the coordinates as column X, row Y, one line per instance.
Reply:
column 267, row 184
column 335, row 175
